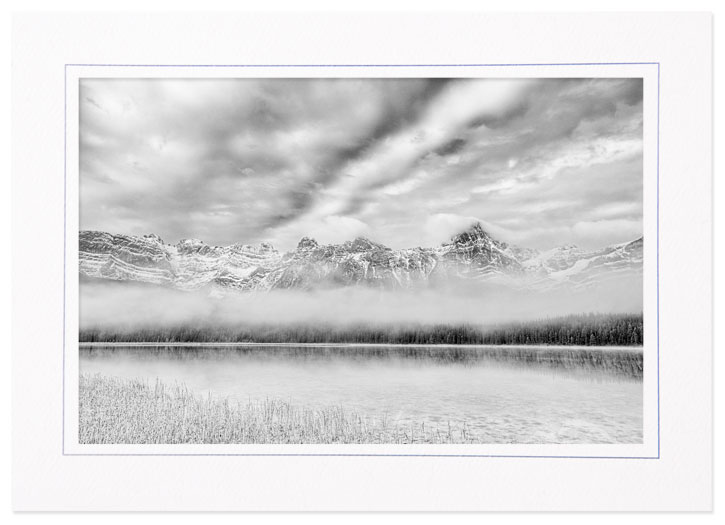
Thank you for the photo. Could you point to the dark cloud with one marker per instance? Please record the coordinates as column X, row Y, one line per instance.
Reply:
column 450, row 147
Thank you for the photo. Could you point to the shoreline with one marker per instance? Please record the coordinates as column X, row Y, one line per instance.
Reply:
column 354, row 345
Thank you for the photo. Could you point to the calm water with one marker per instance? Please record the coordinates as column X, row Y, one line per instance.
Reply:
column 516, row 400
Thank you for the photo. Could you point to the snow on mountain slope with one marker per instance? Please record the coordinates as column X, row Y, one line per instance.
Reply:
column 554, row 260
column 188, row 265
column 602, row 265
column 472, row 255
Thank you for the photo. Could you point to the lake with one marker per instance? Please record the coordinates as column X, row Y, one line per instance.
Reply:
column 500, row 394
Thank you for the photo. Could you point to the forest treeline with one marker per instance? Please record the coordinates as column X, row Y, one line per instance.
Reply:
column 583, row 330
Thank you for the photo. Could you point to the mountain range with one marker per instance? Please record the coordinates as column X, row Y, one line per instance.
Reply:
column 472, row 256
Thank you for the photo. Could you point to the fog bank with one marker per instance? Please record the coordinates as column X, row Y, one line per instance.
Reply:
column 113, row 304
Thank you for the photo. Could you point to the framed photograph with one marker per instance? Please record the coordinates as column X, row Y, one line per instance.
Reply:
column 434, row 271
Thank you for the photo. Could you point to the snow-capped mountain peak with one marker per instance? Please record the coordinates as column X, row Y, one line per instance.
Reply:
column 471, row 255
column 474, row 234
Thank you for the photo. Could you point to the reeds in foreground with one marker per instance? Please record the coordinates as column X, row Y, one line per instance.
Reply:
column 121, row 411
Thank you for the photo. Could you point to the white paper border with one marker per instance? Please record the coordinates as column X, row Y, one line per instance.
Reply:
column 45, row 478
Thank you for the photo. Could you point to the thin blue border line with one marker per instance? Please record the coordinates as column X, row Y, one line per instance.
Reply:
column 65, row 164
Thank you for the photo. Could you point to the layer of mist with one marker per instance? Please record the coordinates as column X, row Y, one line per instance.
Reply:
column 115, row 304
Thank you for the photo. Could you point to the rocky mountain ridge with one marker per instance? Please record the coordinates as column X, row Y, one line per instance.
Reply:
column 471, row 256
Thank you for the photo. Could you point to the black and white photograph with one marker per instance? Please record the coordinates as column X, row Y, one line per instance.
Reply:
column 361, row 261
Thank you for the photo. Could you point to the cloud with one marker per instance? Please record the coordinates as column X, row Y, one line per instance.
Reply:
column 442, row 226
column 608, row 230
column 332, row 229
column 247, row 160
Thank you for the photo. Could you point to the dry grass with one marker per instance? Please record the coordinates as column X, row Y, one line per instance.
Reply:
column 134, row 412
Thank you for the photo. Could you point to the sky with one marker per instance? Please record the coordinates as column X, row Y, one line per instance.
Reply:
column 404, row 162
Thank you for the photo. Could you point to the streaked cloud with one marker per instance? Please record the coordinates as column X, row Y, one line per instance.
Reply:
column 402, row 161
